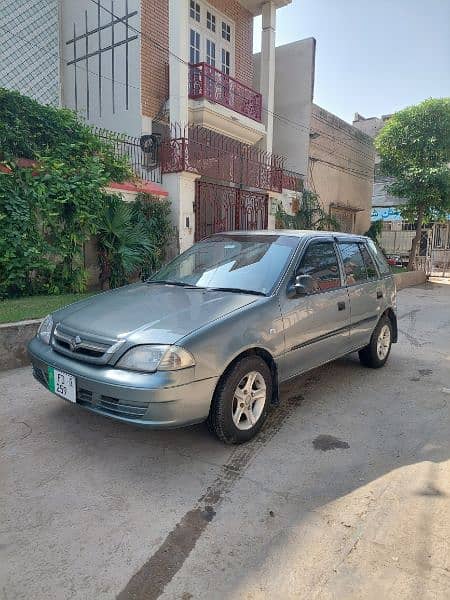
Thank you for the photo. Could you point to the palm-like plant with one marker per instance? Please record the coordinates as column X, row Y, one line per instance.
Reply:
column 309, row 216
column 123, row 242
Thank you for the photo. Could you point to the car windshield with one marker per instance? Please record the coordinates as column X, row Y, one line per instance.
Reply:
column 252, row 263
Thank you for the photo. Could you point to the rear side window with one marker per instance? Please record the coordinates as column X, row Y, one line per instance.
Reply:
column 354, row 267
column 381, row 262
column 321, row 263
column 368, row 261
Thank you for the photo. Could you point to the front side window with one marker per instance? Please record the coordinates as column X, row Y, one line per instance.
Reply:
column 354, row 267
column 194, row 55
column 235, row 262
column 370, row 266
column 320, row 262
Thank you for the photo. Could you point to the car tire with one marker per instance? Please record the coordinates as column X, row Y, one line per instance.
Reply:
column 241, row 400
column 376, row 353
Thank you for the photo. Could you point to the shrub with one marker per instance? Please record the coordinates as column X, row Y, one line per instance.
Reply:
column 48, row 212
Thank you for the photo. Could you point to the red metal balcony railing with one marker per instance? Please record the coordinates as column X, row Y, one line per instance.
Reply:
column 205, row 81
column 197, row 149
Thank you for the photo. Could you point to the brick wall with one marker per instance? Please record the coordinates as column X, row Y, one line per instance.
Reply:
column 155, row 59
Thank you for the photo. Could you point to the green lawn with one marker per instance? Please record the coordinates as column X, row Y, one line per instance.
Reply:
column 34, row 307
column 395, row 269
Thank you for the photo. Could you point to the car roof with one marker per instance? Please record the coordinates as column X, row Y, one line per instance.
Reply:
column 298, row 233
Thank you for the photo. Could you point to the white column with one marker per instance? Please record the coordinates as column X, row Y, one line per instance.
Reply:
column 267, row 81
column 181, row 188
column 178, row 69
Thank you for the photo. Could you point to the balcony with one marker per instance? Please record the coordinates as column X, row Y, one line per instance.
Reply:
column 220, row 102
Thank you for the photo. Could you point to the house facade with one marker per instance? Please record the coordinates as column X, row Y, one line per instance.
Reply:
column 335, row 159
column 181, row 74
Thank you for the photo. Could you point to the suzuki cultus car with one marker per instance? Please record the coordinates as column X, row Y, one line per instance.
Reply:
column 215, row 332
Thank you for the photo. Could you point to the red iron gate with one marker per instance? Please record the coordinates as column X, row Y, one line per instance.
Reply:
column 224, row 208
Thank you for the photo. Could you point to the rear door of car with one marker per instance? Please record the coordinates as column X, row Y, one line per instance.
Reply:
column 316, row 326
column 365, row 289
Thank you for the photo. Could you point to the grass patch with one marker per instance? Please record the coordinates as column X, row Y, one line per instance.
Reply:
column 395, row 269
column 35, row 307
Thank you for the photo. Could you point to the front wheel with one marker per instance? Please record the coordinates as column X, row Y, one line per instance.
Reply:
column 240, row 403
column 376, row 353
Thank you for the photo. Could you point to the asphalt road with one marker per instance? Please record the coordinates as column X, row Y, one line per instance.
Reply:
column 345, row 494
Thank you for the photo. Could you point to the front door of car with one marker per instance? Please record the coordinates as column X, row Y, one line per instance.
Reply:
column 317, row 324
column 365, row 290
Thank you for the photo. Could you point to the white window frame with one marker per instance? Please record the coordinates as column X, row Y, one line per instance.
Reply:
column 215, row 37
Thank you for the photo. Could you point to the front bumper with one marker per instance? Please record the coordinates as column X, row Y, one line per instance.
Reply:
column 156, row 400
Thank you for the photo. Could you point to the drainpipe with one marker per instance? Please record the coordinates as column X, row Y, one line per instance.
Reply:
column 267, row 76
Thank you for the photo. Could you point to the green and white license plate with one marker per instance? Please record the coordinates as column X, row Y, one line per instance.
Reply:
column 62, row 384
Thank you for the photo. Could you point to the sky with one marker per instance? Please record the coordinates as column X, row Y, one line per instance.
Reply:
column 372, row 56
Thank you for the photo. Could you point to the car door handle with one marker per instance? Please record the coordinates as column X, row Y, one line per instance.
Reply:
column 341, row 305
column 379, row 294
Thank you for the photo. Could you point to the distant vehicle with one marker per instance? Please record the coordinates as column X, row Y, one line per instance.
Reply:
column 213, row 334
column 395, row 260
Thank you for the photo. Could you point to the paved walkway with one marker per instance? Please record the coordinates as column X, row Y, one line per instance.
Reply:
column 346, row 494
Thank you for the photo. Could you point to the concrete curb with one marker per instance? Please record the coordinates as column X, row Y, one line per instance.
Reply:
column 409, row 278
column 14, row 338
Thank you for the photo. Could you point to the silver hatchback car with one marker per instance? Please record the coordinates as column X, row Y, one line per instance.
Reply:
column 213, row 334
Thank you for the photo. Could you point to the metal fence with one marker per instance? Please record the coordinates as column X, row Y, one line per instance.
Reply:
column 143, row 153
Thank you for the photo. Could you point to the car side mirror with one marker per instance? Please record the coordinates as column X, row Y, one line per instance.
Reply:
column 302, row 285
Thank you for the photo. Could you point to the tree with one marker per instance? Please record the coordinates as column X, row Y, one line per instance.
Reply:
column 414, row 147
column 310, row 215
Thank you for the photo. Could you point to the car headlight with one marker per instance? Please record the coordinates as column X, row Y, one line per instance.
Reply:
column 150, row 358
column 45, row 329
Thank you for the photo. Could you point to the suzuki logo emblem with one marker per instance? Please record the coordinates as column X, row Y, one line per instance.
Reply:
column 75, row 342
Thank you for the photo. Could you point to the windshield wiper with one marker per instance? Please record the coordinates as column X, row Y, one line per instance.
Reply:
column 190, row 286
column 236, row 290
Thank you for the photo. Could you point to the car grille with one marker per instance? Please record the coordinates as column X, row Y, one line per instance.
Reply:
column 81, row 347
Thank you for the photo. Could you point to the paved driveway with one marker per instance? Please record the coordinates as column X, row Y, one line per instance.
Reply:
column 345, row 494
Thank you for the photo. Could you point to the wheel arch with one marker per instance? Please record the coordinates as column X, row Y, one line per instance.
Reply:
column 390, row 314
column 269, row 360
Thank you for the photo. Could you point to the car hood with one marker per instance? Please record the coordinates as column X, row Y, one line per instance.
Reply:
column 144, row 313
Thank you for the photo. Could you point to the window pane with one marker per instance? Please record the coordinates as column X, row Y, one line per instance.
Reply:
column 211, row 21
column 226, row 31
column 355, row 269
column 379, row 258
column 210, row 53
column 225, row 61
column 370, row 266
column 320, row 262
column 194, row 55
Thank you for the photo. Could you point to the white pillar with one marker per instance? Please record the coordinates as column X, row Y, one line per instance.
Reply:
column 267, row 76
column 178, row 69
column 181, row 188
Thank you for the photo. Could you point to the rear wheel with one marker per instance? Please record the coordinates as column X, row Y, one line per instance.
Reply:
column 240, row 403
column 376, row 353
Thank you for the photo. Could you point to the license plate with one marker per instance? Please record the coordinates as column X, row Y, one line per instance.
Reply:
column 62, row 384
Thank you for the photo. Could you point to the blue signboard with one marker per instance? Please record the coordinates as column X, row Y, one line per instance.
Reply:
column 386, row 214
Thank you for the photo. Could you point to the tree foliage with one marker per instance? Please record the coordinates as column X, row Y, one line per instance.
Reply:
column 310, row 215
column 414, row 147
column 49, row 211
